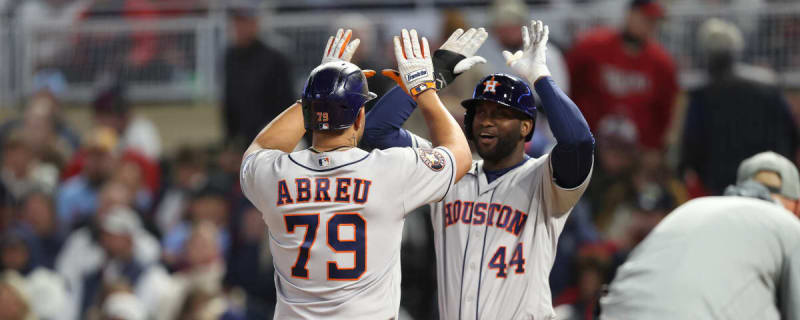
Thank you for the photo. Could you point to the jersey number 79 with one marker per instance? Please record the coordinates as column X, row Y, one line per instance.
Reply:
column 357, row 246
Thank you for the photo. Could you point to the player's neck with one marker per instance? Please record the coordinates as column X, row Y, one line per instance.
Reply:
column 508, row 161
column 326, row 142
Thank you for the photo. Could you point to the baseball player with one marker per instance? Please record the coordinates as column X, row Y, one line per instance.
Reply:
column 730, row 257
column 496, row 231
column 335, row 212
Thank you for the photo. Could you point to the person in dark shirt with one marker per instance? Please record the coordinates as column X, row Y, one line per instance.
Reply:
column 256, row 78
column 738, row 113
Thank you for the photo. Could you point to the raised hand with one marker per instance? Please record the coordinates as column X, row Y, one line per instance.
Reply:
column 413, row 62
column 340, row 48
column 531, row 61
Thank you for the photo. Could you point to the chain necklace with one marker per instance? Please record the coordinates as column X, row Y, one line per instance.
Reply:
column 315, row 150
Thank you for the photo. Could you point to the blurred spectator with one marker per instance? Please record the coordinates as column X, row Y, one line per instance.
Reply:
column 249, row 264
column 208, row 204
column 592, row 264
column 258, row 83
column 616, row 161
column 37, row 217
column 738, row 113
column 123, row 306
column 633, row 221
column 21, row 172
column 201, row 269
column 16, row 254
column 579, row 231
column 43, row 130
column 77, row 196
column 82, row 252
column 626, row 72
column 129, row 173
column 203, row 305
column 15, row 300
column 136, row 133
column 118, row 232
column 189, row 173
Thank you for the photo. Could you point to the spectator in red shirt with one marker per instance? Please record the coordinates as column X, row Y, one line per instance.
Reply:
column 626, row 72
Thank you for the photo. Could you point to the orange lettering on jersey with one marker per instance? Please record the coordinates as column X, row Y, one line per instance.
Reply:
column 466, row 212
column 448, row 219
column 322, row 186
column 504, row 216
column 480, row 213
column 517, row 223
column 457, row 208
column 361, row 192
column 283, row 194
column 494, row 207
column 342, row 190
column 303, row 190
column 455, row 214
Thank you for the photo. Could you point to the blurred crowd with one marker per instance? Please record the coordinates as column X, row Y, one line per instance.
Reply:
column 107, row 225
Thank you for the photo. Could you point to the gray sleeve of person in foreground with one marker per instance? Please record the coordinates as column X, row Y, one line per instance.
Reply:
column 789, row 288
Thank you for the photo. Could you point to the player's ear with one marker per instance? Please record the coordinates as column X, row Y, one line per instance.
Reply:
column 525, row 127
column 360, row 119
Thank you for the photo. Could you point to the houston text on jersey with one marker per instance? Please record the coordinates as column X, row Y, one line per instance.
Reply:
column 479, row 213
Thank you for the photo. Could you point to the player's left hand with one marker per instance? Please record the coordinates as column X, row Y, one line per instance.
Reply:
column 530, row 62
column 457, row 55
column 341, row 48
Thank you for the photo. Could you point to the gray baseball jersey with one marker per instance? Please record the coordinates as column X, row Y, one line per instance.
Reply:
column 496, row 242
column 335, row 223
column 713, row 258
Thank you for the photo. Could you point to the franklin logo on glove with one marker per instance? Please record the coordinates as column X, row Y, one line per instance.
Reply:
column 417, row 74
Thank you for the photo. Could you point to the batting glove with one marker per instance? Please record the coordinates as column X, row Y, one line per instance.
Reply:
column 457, row 55
column 413, row 62
column 340, row 48
column 530, row 62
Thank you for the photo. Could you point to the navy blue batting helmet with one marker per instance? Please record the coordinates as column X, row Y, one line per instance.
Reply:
column 333, row 96
column 504, row 90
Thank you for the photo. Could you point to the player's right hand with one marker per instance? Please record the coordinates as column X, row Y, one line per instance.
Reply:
column 413, row 62
column 340, row 48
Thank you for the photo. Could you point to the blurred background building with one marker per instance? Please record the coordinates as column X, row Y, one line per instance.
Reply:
column 122, row 124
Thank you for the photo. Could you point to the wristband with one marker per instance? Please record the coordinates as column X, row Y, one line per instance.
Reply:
column 415, row 91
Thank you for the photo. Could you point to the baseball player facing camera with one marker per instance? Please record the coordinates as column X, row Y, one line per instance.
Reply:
column 730, row 257
column 335, row 212
column 496, row 231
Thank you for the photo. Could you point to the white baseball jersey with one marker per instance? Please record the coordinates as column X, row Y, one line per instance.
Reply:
column 496, row 242
column 712, row 258
column 335, row 223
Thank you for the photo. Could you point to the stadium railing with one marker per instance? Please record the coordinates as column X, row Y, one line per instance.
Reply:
column 180, row 58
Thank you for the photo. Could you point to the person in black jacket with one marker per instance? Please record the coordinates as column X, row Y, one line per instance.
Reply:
column 738, row 113
column 257, row 78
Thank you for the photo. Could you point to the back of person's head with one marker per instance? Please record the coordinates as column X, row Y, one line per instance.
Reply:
column 333, row 100
column 721, row 43
column 771, row 177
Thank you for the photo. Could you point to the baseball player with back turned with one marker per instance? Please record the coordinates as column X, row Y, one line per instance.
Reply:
column 334, row 213
column 496, row 232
